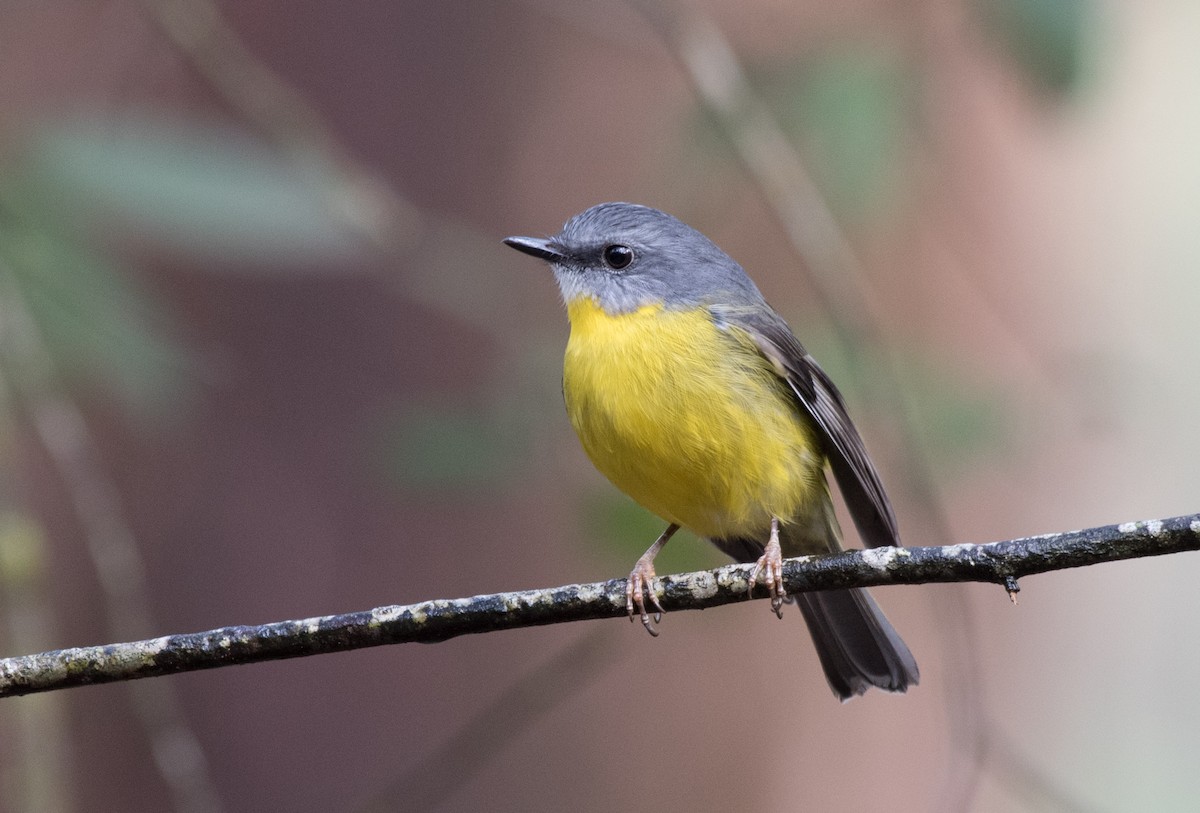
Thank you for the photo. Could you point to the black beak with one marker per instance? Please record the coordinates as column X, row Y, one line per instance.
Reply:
column 535, row 247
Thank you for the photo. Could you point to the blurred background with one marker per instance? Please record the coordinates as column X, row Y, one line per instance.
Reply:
column 263, row 356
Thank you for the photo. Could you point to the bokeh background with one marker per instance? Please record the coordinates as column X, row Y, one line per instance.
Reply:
column 263, row 356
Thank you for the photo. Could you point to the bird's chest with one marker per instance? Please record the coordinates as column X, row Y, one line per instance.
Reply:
column 648, row 382
column 682, row 416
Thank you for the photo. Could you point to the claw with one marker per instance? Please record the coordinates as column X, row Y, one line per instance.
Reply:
column 770, row 566
column 642, row 583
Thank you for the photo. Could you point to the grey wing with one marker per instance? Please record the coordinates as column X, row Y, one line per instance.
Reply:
column 819, row 398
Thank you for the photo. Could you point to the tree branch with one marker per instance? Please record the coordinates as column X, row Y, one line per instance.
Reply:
column 1000, row 563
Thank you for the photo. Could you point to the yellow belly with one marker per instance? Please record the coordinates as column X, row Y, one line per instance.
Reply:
column 691, row 421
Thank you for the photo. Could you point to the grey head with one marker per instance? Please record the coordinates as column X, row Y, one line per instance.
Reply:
column 626, row 256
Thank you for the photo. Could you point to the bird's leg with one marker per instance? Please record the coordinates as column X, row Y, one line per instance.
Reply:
column 641, row 583
column 770, row 565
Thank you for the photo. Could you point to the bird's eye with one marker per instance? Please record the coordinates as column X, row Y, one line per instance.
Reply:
column 617, row 256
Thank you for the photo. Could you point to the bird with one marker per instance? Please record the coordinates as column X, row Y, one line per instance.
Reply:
column 694, row 397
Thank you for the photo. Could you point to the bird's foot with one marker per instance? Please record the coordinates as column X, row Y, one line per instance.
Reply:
column 770, row 568
column 642, row 583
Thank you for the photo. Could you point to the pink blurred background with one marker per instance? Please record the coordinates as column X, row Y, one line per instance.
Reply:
column 263, row 356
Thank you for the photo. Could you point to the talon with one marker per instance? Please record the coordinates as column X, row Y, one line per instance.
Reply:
column 641, row 584
column 649, row 625
column 770, row 565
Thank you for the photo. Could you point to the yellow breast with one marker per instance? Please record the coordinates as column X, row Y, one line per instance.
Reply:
column 689, row 420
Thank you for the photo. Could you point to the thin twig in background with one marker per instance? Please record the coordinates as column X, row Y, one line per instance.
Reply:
column 404, row 234
column 29, row 375
column 364, row 202
column 1002, row 563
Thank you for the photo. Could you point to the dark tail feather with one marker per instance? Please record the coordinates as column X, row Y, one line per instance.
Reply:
column 857, row 645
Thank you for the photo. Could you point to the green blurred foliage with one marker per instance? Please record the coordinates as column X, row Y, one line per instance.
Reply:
column 73, row 189
column 97, row 324
column 851, row 108
column 961, row 420
column 1046, row 39
column 207, row 191
column 624, row 530
column 22, row 550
